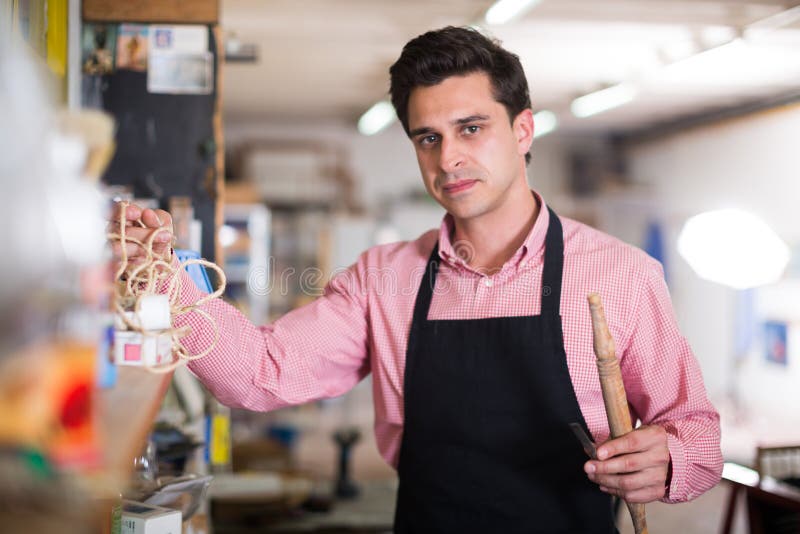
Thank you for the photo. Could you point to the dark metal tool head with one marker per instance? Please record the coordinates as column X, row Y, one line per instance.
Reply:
column 588, row 445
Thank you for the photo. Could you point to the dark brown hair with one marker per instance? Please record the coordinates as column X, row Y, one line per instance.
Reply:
column 432, row 57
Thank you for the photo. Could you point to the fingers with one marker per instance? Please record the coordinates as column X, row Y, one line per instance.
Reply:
column 636, row 450
column 156, row 218
column 161, row 243
column 646, row 474
column 142, row 227
column 644, row 485
column 636, row 465
column 149, row 217
column 132, row 211
column 643, row 438
column 643, row 494
column 131, row 250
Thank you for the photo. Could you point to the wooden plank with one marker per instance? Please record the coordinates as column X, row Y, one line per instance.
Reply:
column 125, row 415
column 127, row 412
column 172, row 11
column 219, row 142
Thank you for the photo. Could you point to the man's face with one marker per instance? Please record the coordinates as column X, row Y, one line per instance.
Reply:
column 470, row 155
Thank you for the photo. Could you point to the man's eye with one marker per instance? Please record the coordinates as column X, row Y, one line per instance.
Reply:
column 471, row 129
column 428, row 140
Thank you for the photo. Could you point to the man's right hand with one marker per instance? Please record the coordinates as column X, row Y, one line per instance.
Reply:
column 159, row 221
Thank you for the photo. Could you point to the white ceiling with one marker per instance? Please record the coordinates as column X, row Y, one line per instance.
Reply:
column 329, row 59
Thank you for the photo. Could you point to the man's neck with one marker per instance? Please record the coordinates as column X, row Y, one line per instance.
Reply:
column 495, row 237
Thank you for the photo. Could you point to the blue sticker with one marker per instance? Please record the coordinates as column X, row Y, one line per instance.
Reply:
column 775, row 341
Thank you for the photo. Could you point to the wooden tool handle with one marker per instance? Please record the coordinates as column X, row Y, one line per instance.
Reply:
column 636, row 510
column 619, row 417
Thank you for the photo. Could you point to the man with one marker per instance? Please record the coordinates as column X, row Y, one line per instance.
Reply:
column 480, row 367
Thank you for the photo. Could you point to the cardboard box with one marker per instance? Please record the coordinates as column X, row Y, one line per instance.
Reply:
column 134, row 348
column 139, row 518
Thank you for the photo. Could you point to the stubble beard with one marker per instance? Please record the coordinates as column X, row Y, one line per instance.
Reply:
column 465, row 206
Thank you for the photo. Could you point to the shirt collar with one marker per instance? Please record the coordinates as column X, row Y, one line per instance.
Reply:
column 531, row 247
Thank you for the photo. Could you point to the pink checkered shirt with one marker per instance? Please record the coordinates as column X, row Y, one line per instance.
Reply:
column 361, row 323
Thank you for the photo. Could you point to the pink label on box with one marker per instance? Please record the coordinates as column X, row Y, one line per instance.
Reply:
column 133, row 353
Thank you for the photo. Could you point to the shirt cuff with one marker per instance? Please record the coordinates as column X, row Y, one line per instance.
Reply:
column 676, row 491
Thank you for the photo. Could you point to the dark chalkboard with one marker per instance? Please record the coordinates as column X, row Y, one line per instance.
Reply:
column 165, row 143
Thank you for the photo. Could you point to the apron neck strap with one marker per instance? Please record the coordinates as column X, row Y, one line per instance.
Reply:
column 425, row 293
column 553, row 266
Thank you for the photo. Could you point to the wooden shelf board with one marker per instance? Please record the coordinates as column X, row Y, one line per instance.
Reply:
column 174, row 11
column 127, row 412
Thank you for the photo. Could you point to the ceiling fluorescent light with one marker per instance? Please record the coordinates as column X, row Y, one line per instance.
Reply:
column 504, row 11
column 603, row 100
column 544, row 122
column 707, row 65
column 376, row 118
column 778, row 20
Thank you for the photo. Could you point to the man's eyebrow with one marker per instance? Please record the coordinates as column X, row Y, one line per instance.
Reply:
column 420, row 131
column 471, row 118
column 456, row 122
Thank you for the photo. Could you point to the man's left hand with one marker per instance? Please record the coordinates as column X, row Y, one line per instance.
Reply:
column 634, row 466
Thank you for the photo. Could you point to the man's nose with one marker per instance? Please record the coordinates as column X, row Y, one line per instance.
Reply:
column 451, row 155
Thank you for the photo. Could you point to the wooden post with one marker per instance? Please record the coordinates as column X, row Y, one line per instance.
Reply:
column 219, row 143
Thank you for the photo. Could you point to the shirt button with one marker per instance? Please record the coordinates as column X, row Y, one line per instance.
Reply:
column 488, row 282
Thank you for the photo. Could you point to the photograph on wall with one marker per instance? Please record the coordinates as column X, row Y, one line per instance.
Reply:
column 98, row 44
column 132, row 45
column 775, row 340
column 181, row 74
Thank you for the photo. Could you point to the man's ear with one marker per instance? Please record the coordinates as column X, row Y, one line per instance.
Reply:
column 523, row 130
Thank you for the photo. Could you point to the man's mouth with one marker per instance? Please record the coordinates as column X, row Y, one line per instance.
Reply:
column 458, row 186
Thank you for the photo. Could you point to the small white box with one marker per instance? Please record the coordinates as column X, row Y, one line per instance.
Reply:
column 153, row 314
column 139, row 518
column 134, row 348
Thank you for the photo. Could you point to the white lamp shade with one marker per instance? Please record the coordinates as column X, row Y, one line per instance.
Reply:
column 734, row 248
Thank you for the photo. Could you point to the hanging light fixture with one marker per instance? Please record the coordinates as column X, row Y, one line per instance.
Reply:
column 734, row 248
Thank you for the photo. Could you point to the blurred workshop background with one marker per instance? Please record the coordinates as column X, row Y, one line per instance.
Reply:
column 264, row 127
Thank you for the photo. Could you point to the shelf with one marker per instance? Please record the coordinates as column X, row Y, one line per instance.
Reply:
column 148, row 11
column 126, row 414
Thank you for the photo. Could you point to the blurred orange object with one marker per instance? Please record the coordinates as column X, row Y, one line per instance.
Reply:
column 71, row 378
column 47, row 402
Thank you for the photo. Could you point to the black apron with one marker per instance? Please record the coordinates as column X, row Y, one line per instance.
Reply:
column 486, row 444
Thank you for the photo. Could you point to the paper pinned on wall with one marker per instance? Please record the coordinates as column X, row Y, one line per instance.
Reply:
column 181, row 73
column 180, row 62
column 178, row 39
